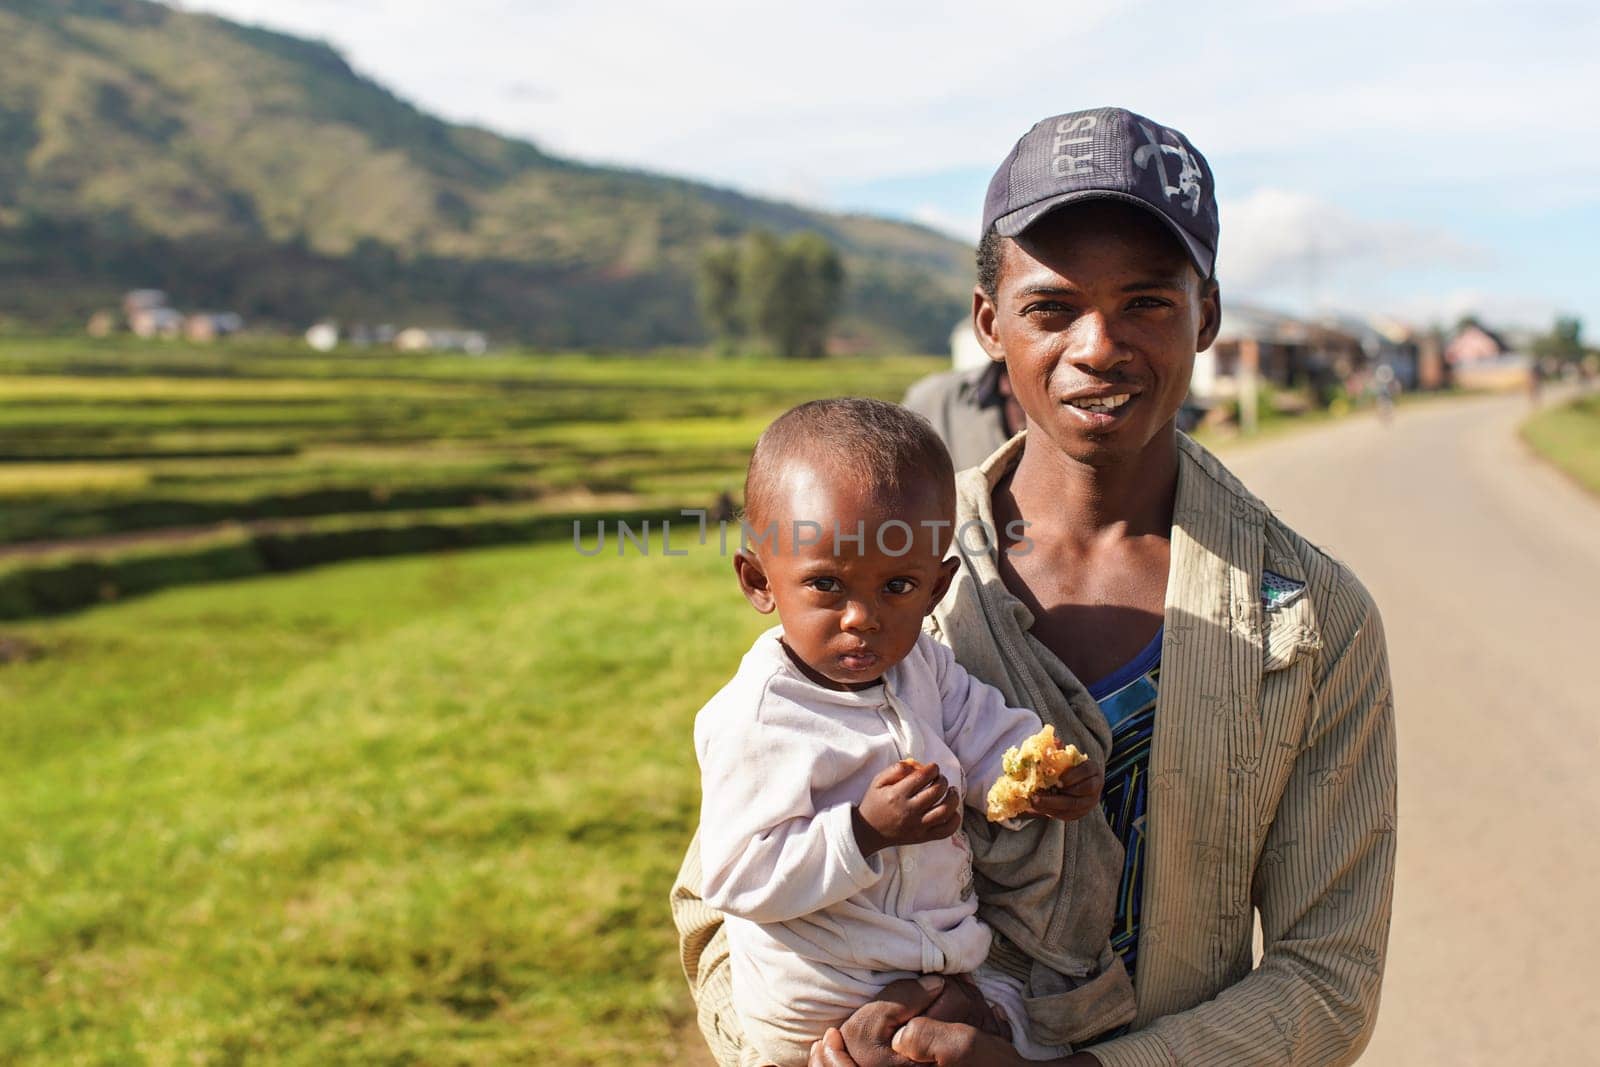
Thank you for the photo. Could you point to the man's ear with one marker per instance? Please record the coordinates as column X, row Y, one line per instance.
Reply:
column 947, row 574
column 1210, row 315
column 983, row 316
column 753, row 582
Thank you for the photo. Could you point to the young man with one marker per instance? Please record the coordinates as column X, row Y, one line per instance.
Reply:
column 1237, row 673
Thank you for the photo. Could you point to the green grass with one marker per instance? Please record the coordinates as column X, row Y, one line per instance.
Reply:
column 100, row 437
column 1568, row 435
column 408, row 811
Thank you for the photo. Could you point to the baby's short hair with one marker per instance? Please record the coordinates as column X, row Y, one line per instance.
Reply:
column 883, row 446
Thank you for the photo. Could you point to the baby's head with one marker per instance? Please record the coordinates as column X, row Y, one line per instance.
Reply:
column 849, row 503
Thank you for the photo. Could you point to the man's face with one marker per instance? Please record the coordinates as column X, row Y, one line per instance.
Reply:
column 1098, row 314
column 849, row 612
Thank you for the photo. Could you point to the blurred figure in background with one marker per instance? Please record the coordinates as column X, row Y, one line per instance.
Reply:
column 1384, row 387
column 970, row 406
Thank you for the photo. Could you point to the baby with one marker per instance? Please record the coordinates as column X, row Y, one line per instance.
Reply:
column 836, row 763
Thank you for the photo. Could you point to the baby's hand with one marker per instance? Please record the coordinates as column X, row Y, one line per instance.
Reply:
column 1075, row 795
column 906, row 804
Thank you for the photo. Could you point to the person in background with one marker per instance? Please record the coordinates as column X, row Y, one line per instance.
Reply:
column 970, row 406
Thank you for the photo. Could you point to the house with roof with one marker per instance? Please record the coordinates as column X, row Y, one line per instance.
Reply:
column 1481, row 358
column 1269, row 346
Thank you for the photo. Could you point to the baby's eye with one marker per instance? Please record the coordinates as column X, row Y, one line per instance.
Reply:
column 824, row 585
column 900, row 585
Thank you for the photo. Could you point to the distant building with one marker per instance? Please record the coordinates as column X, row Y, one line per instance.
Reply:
column 204, row 326
column 151, row 322
column 102, row 324
column 1384, row 342
column 1480, row 358
column 324, row 336
column 1474, row 343
column 362, row 334
column 965, row 351
column 416, row 339
column 1278, row 348
column 142, row 300
column 412, row 339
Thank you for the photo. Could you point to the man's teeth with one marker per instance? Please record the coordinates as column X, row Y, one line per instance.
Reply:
column 1101, row 403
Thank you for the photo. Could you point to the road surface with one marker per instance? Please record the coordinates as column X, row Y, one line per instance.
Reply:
column 1486, row 567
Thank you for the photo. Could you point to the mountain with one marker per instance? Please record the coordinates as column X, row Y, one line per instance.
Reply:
column 239, row 168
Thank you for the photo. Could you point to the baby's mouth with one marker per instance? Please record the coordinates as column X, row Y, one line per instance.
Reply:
column 859, row 660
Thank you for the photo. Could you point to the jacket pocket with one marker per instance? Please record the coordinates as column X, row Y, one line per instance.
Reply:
column 1069, row 1011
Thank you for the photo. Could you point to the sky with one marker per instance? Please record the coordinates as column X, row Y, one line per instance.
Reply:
column 1422, row 160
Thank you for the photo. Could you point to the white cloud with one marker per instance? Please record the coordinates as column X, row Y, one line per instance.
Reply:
column 1275, row 237
column 961, row 227
column 1495, row 308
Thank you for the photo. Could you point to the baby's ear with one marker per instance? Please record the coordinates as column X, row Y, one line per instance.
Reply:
column 947, row 574
column 753, row 582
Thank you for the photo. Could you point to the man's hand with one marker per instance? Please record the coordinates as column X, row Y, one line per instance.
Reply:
column 908, row 1024
column 1075, row 795
column 864, row 1039
column 906, row 804
column 924, row 1040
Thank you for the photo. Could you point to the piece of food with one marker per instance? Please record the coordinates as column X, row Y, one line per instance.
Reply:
column 1031, row 768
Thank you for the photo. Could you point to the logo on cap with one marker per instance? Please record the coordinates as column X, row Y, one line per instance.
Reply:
column 1189, row 172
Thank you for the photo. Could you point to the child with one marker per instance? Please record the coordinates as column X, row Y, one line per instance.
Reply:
column 835, row 764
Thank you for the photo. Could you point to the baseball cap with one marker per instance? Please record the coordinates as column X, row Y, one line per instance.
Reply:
column 1107, row 153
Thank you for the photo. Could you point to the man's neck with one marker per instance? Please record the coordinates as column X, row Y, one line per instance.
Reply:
column 1132, row 498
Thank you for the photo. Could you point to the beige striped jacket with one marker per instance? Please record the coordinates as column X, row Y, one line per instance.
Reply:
column 1272, row 792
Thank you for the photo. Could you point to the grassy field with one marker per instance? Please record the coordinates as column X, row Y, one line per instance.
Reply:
column 1568, row 435
column 416, row 810
column 107, row 437
column 404, row 811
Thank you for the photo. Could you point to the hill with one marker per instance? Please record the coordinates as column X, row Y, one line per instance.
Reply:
column 242, row 168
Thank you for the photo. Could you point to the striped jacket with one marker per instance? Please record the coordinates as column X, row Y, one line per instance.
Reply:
column 1272, row 791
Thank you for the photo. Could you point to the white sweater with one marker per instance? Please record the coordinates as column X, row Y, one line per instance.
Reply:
column 815, row 928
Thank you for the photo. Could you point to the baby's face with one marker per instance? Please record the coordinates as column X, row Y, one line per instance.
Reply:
column 850, row 610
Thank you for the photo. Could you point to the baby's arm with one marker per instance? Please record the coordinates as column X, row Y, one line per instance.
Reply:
column 767, row 853
column 980, row 726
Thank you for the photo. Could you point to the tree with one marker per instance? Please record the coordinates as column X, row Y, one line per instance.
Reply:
column 1564, row 342
column 762, row 279
column 719, row 294
column 815, row 280
column 786, row 293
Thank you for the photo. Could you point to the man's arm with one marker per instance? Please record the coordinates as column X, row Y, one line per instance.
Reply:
column 1324, row 888
column 703, row 949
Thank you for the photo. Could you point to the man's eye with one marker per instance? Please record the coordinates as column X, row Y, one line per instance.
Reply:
column 1149, row 302
column 1045, row 307
column 900, row 585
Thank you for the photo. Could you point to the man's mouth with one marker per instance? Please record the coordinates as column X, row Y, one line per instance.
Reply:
column 1099, row 408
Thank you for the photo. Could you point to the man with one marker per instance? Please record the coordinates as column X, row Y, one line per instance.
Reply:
column 1238, row 685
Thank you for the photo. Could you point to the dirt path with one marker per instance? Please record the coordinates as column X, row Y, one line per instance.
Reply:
column 1486, row 566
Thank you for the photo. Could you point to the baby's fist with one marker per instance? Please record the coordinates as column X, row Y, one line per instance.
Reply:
column 906, row 804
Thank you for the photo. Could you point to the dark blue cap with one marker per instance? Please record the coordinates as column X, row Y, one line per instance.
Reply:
column 1107, row 153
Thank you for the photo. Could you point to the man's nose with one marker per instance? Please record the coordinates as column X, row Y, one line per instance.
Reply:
column 1094, row 344
column 858, row 615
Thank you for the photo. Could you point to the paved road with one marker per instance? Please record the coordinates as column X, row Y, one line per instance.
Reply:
column 1486, row 566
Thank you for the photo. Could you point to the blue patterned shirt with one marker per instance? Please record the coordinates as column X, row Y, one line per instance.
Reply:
column 1128, row 698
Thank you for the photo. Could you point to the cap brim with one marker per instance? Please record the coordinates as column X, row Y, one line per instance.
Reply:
column 1016, row 222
